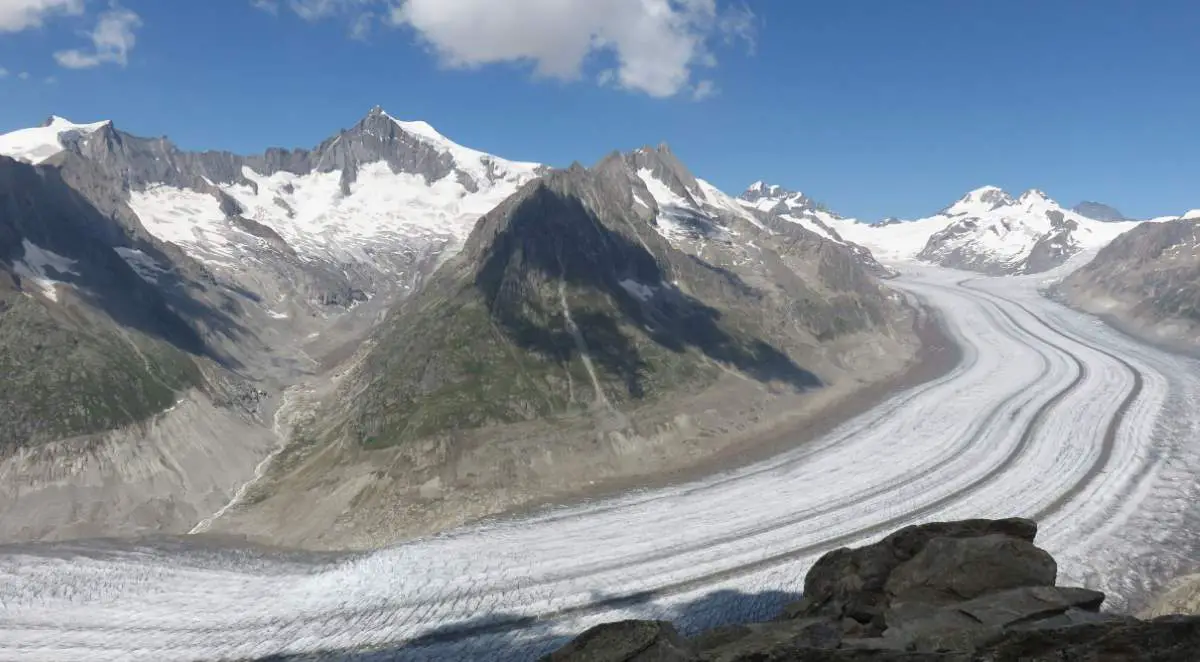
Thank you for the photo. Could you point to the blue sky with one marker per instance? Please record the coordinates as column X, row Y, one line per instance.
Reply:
column 877, row 107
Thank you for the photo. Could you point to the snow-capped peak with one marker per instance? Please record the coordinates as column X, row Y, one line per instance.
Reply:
column 471, row 161
column 1194, row 214
column 35, row 145
column 979, row 201
column 761, row 189
column 1035, row 196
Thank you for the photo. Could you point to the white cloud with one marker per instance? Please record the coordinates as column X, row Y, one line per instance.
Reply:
column 17, row 15
column 657, row 43
column 24, row 75
column 704, row 89
column 112, row 39
column 269, row 6
column 3, row 72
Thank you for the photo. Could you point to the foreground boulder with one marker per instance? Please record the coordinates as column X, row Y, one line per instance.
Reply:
column 969, row 591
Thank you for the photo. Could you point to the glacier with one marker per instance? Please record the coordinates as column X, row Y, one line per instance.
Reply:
column 1050, row 415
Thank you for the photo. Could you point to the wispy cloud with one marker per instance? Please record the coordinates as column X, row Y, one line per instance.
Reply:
column 704, row 89
column 24, row 75
column 112, row 39
column 18, row 15
column 3, row 72
column 269, row 6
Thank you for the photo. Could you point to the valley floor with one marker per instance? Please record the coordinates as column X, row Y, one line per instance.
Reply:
column 1049, row 415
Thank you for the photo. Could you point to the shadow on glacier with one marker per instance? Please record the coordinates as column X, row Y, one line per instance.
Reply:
column 509, row 637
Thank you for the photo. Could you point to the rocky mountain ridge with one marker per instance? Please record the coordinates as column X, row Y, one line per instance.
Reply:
column 571, row 341
column 1145, row 281
column 987, row 230
column 156, row 301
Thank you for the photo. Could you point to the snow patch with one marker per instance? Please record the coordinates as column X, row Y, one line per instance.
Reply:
column 479, row 165
column 41, row 267
column 639, row 290
column 143, row 265
column 191, row 220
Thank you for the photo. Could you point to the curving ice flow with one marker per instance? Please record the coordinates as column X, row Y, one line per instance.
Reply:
column 1049, row 415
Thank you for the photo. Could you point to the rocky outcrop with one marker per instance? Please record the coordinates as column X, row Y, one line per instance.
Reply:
column 1181, row 597
column 1147, row 281
column 969, row 591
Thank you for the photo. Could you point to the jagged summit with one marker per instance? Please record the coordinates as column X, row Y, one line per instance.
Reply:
column 760, row 189
column 980, row 200
column 1036, row 196
column 775, row 198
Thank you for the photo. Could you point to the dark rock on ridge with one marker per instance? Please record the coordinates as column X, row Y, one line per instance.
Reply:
column 969, row 591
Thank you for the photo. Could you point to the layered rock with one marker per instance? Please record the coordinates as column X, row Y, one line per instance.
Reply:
column 970, row 591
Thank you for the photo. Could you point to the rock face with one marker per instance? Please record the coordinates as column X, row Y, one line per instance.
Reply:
column 86, row 345
column 970, row 591
column 1146, row 281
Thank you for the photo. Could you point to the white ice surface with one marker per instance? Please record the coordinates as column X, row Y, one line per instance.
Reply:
column 40, row 267
column 1018, row 428
column 190, row 219
column 35, row 145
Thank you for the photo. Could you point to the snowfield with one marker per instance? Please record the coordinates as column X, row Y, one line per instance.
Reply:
column 1050, row 415
column 37, row 144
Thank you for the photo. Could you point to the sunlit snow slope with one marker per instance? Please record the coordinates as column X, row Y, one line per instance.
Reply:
column 1050, row 415
column 36, row 144
column 986, row 230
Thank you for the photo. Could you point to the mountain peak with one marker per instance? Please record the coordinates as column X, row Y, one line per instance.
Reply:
column 978, row 201
column 35, row 145
column 1034, row 195
column 760, row 190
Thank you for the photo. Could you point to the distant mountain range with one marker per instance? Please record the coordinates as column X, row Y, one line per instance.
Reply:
column 987, row 230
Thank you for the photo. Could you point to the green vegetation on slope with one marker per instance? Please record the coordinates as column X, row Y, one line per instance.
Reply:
column 60, row 381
